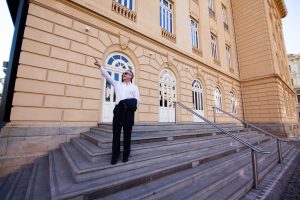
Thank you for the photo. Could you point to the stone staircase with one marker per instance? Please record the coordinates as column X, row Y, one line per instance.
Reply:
column 185, row 161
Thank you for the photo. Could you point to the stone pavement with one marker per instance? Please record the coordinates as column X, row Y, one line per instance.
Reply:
column 282, row 183
column 292, row 190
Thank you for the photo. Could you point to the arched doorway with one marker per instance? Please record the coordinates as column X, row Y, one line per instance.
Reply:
column 167, row 91
column 218, row 99
column 115, row 64
column 198, row 104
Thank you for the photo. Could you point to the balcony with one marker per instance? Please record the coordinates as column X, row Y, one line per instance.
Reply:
column 122, row 10
column 168, row 35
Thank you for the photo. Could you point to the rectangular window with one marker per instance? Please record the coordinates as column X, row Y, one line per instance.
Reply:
column 214, row 51
column 225, row 19
column 298, row 98
column 126, row 3
column 211, row 8
column 194, row 34
column 166, row 15
column 210, row 4
column 228, row 55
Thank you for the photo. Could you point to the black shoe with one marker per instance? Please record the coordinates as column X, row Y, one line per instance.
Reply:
column 125, row 159
column 114, row 161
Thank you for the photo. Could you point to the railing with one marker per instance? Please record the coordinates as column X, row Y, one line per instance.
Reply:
column 278, row 139
column 253, row 148
column 126, row 12
column 168, row 35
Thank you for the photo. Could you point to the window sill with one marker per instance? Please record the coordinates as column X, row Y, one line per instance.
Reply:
column 196, row 1
column 122, row 10
column 197, row 51
column 168, row 35
column 212, row 13
column 226, row 27
column 217, row 62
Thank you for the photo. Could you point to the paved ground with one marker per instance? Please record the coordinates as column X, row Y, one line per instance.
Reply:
column 292, row 190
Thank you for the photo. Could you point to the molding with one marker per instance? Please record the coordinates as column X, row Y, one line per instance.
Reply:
column 276, row 76
column 281, row 8
column 124, row 41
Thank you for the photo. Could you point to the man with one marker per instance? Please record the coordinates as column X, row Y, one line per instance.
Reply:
column 127, row 96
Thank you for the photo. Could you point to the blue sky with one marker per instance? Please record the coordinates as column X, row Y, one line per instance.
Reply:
column 291, row 27
column 291, row 30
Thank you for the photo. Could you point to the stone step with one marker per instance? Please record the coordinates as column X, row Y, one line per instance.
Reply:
column 126, row 175
column 94, row 153
column 85, row 170
column 2, row 181
column 237, row 188
column 19, row 186
column 39, row 186
column 7, row 183
column 273, row 184
column 159, row 188
column 172, row 127
column 239, row 173
column 104, row 140
column 143, row 133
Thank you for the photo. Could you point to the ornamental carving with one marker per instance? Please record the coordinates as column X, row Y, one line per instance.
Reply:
column 124, row 41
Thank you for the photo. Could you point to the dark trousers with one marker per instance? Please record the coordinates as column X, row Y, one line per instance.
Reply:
column 117, row 127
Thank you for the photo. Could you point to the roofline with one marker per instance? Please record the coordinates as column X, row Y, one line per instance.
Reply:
column 282, row 8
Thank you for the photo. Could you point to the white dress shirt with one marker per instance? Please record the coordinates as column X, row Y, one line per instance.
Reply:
column 122, row 90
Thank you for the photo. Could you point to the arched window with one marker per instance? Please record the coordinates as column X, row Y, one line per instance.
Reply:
column 167, row 93
column 117, row 60
column 116, row 64
column 197, row 95
column 218, row 98
column 232, row 102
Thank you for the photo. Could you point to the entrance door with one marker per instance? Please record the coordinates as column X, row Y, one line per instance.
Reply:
column 198, row 100
column 116, row 64
column 167, row 91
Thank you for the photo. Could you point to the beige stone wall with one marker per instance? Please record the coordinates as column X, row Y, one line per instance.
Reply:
column 265, row 101
column 266, row 83
column 253, row 41
column 58, row 84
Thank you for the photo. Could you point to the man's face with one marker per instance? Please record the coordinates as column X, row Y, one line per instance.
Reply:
column 127, row 75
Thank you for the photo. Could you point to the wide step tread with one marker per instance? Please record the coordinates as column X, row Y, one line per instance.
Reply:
column 39, row 186
column 79, row 163
column 19, row 187
column 139, row 173
column 7, row 184
column 94, row 153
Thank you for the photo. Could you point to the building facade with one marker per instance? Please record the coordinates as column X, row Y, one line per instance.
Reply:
column 294, row 65
column 202, row 53
column 1, row 87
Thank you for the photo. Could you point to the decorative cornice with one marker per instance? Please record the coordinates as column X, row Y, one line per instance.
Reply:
column 281, row 7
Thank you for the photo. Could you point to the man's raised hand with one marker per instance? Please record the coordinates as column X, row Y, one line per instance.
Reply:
column 97, row 63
